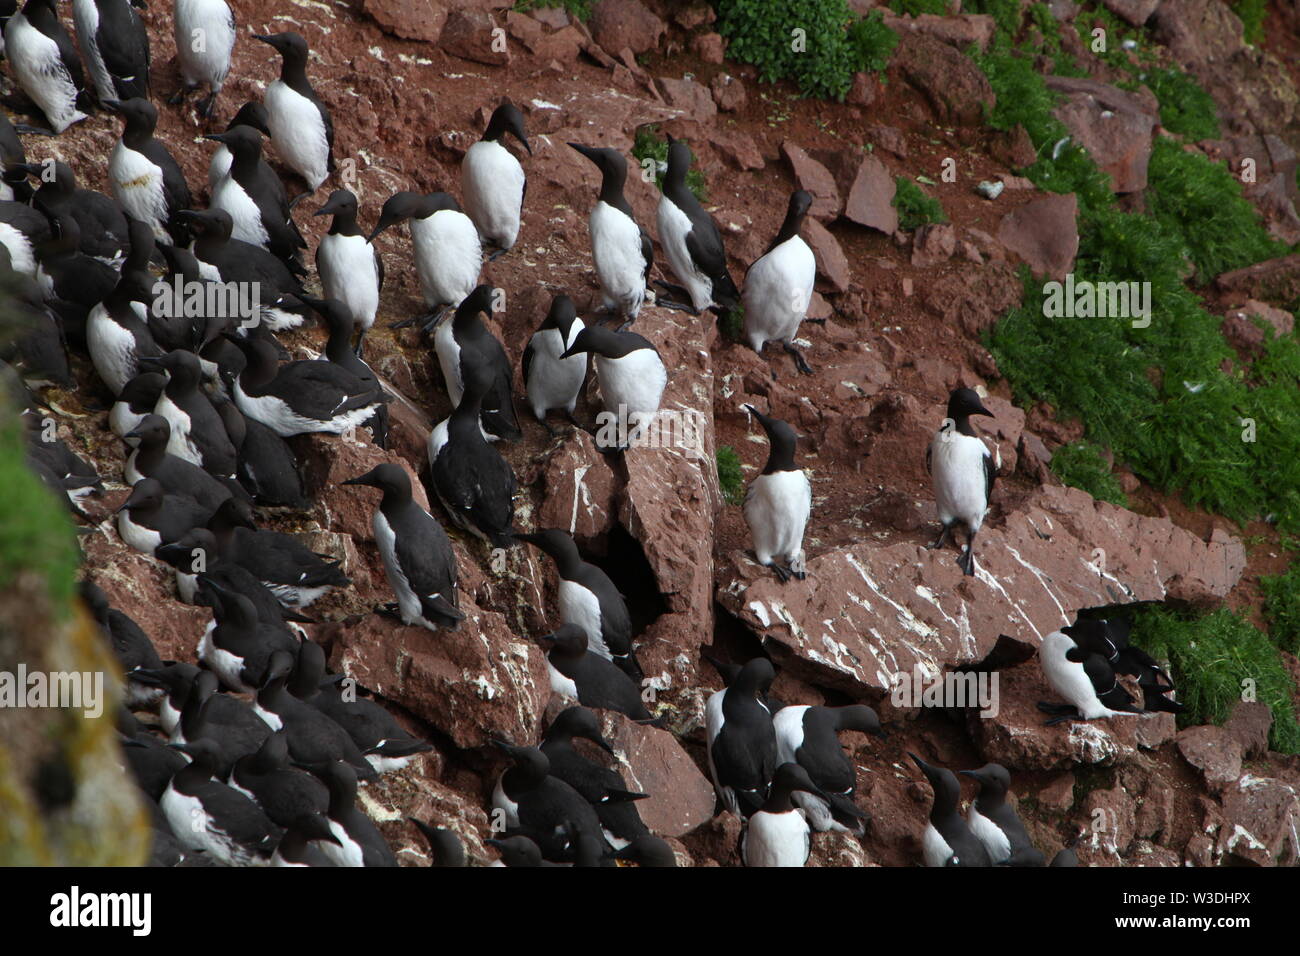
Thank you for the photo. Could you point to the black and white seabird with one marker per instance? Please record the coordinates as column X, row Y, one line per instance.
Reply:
column 518, row 851
column 418, row 558
column 779, row 285
column 690, row 238
column 385, row 743
column 294, row 573
column 209, row 816
column 339, row 321
column 238, row 646
column 205, row 36
column 448, row 253
column 620, row 249
column 552, row 381
column 948, row 840
column 809, row 737
column 23, row 230
column 178, row 476
column 285, row 792
column 149, row 517
column 602, row 787
column 359, row 840
column 588, row 598
column 994, row 822
column 251, row 114
column 302, row 841
column 474, row 483
column 135, row 401
column 301, row 397
column 176, row 681
column 741, row 739
column 225, row 259
column 131, row 645
column 588, row 677
column 314, row 740
column 544, row 808
column 493, row 182
column 103, row 231
column 69, row 275
column 301, row 128
column 1109, row 637
column 777, row 833
column 145, row 178
column 445, row 847
column 61, row 469
column 255, row 198
column 232, row 727
column 465, row 339
column 151, row 761
column 44, row 62
column 13, row 156
column 962, row 472
column 116, row 46
column 197, row 432
column 778, row 502
column 1084, row 678
column 648, row 850
column 631, row 374
column 351, row 269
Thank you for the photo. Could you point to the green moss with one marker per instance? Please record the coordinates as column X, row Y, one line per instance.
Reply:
column 732, row 323
column 873, row 43
column 1251, row 13
column 650, row 145
column 1007, row 16
column 914, row 207
column 730, row 477
column 917, row 7
column 578, row 9
column 1214, row 659
column 801, row 40
column 1080, row 465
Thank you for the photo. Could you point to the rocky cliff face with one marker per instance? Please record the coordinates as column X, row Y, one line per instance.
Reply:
column 898, row 324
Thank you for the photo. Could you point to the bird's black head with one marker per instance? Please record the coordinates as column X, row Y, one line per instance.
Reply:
column 398, row 207
column 965, row 402
column 580, row 722
column 506, row 118
column 140, row 116
column 340, row 201
column 253, row 114
column 244, row 142
column 153, row 431
column 386, row 477
column 754, row 678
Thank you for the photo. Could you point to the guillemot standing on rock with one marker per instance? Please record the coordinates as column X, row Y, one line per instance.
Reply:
column 1084, row 678
column 631, row 374
column 230, row 725
column 778, row 502
column 994, row 822
column 551, row 381
column 151, row 459
column 741, row 739
column 350, row 268
column 337, row 319
column 620, row 249
column 777, row 834
column 359, row 841
column 690, row 238
column 648, row 850
column 493, row 182
column 808, row 736
column 103, row 231
column 448, row 253
column 418, row 558
column 779, row 285
column 197, row 432
column 589, row 599
column 302, row 842
column 45, row 63
column 209, row 816
column 465, row 339
column 145, row 178
column 116, row 46
column 948, row 840
column 474, row 483
column 589, row 677
column 149, row 518
column 239, row 645
column 544, row 808
column 300, row 123
column 602, row 787
column 205, row 36
column 255, row 198
column 68, row 274
column 1109, row 638
column 294, row 573
column 251, row 114
column 962, row 472
column 445, row 848
column 135, row 402
column 300, row 397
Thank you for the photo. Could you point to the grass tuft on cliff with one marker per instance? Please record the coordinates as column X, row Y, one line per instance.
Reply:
column 1081, row 465
column 649, row 144
column 915, row 208
column 730, row 477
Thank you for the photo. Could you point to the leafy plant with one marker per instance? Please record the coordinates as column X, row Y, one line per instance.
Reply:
column 1251, row 13
column 1185, row 107
column 801, row 40
column 917, row 7
column 1282, row 608
column 1211, row 657
column 650, row 145
column 579, row 9
column 730, row 476
column 1080, row 465
column 914, row 207
column 873, row 43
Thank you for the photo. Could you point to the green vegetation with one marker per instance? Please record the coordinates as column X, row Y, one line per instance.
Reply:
column 818, row 44
column 650, row 145
column 1006, row 16
column 1081, row 465
column 917, row 7
column 1211, row 658
column 578, row 9
column 1282, row 608
column 1185, row 108
column 732, row 323
column 873, row 43
column 35, row 533
column 914, row 207
column 730, row 478
column 1251, row 13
